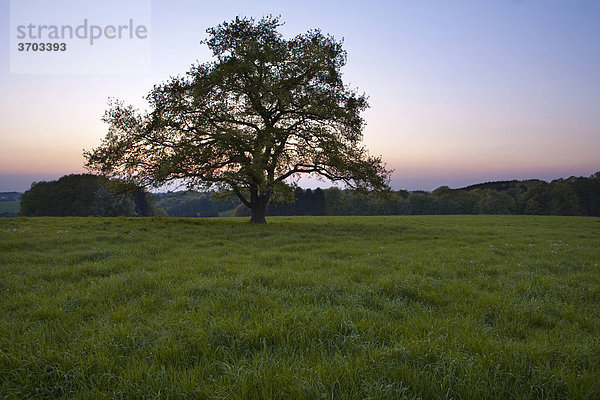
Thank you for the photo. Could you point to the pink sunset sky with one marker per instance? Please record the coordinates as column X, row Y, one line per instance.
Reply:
column 461, row 92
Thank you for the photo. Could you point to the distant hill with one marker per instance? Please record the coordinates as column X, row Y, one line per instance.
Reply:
column 10, row 196
column 500, row 185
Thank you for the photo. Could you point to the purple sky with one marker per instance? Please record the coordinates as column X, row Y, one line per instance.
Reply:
column 461, row 92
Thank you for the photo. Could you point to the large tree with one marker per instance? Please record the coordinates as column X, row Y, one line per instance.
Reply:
column 265, row 110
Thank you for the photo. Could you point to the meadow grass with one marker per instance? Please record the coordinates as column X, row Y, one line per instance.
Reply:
column 305, row 307
column 10, row 206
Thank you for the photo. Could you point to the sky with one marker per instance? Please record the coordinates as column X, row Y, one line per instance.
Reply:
column 460, row 92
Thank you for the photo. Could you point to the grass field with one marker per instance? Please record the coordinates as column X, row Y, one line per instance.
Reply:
column 304, row 307
column 10, row 206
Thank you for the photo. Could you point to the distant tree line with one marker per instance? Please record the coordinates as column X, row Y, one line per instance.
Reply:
column 84, row 195
column 571, row 196
column 94, row 195
column 194, row 204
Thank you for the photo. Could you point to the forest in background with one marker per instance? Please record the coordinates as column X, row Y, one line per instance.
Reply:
column 90, row 195
column 571, row 196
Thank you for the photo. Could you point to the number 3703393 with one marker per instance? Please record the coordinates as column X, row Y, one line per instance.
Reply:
column 41, row 46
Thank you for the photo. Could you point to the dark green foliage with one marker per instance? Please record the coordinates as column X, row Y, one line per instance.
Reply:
column 587, row 191
column 572, row 196
column 83, row 195
column 423, row 203
column 210, row 204
column 194, row 204
column 318, row 207
column 306, row 202
column 266, row 110
column 496, row 202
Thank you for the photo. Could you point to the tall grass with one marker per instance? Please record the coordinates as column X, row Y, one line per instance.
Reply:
column 304, row 307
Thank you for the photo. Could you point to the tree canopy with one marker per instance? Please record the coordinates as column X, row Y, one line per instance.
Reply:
column 84, row 195
column 263, row 111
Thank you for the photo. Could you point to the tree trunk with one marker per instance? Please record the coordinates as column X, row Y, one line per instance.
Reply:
column 258, row 211
column 258, row 203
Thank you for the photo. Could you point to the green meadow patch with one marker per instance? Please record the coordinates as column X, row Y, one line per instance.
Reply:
column 305, row 307
column 10, row 207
